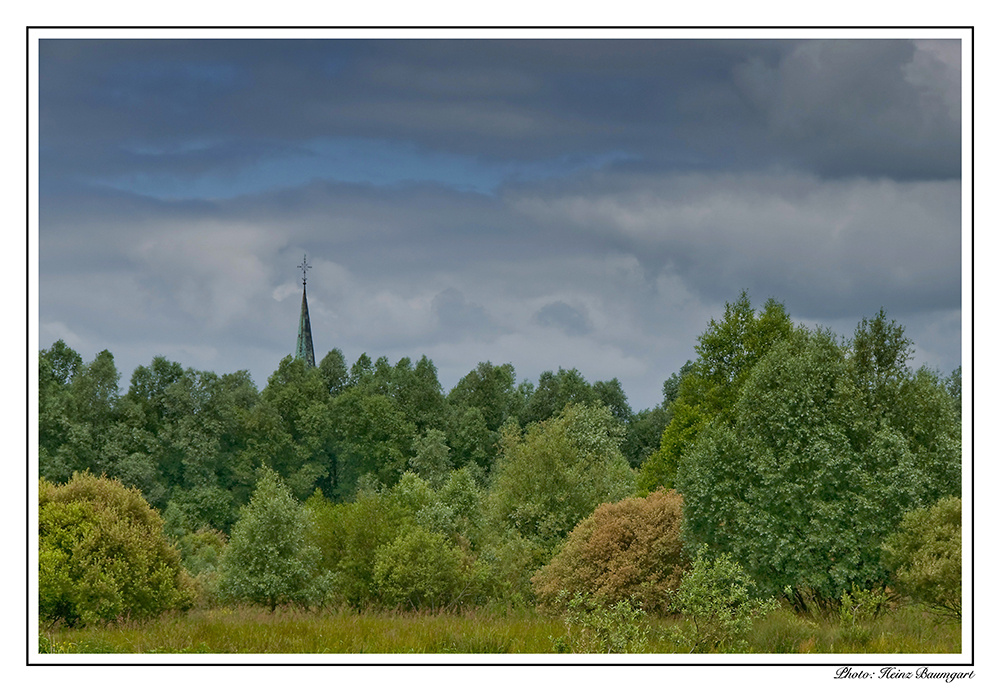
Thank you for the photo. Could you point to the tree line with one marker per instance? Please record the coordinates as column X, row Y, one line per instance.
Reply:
column 795, row 453
column 193, row 442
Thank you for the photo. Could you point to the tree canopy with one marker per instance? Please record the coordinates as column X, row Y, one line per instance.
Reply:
column 806, row 478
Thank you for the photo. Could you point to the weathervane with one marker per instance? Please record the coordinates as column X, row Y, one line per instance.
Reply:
column 304, row 267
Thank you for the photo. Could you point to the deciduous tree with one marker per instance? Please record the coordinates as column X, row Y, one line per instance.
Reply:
column 269, row 560
column 805, row 480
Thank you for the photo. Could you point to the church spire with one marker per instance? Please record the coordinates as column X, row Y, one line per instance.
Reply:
column 304, row 344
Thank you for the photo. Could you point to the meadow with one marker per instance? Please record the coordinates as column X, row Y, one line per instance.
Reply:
column 251, row 630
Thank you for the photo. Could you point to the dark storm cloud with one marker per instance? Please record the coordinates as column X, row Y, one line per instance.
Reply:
column 836, row 107
column 862, row 107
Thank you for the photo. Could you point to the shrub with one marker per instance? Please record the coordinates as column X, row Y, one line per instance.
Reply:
column 421, row 570
column 599, row 628
column 925, row 556
column 628, row 550
column 510, row 559
column 201, row 554
column 269, row 561
column 859, row 609
column 715, row 594
column 349, row 536
column 102, row 554
column 558, row 472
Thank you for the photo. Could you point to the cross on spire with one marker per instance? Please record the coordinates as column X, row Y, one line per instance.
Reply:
column 304, row 343
column 304, row 267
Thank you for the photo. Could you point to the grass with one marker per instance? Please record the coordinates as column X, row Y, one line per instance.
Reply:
column 258, row 631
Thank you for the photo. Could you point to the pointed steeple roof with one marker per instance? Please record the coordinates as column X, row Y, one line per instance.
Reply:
column 304, row 343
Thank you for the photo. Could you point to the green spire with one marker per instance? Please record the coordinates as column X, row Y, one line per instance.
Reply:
column 304, row 344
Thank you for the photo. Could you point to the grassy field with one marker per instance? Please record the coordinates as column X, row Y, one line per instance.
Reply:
column 250, row 630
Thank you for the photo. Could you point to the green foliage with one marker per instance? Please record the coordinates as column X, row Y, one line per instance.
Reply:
column 102, row 554
column 478, row 406
column 333, row 368
column 630, row 550
column 461, row 500
column 56, row 368
column 557, row 390
column 643, row 435
column 611, row 394
column 510, row 560
column 859, row 609
column 421, row 570
column 596, row 627
column 348, row 536
column 925, row 556
column 204, row 506
column 660, row 468
column 953, row 384
column 94, row 391
column 202, row 553
column 77, row 408
column 414, row 390
column 411, row 494
column 708, row 388
column 728, row 351
column 879, row 355
column 804, row 482
column 672, row 385
column 557, row 473
column 269, row 561
column 924, row 413
column 371, row 436
column 431, row 459
column 292, row 428
column 716, row 595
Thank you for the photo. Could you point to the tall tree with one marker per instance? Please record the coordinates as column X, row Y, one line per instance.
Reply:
column 371, row 436
column 554, row 392
column 334, row 370
column 292, row 431
column 477, row 407
column 56, row 368
column 611, row 394
column 727, row 352
column 804, row 480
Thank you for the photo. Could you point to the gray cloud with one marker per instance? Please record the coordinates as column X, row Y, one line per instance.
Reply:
column 460, row 318
column 838, row 107
column 862, row 107
column 569, row 320
column 821, row 246
column 818, row 173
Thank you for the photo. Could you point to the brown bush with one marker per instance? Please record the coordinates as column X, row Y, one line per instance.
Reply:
column 628, row 550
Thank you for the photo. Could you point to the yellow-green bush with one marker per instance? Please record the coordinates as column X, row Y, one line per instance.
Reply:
column 421, row 570
column 102, row 554
column 925, row 556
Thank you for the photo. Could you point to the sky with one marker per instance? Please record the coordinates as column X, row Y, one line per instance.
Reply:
column 571, row 203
